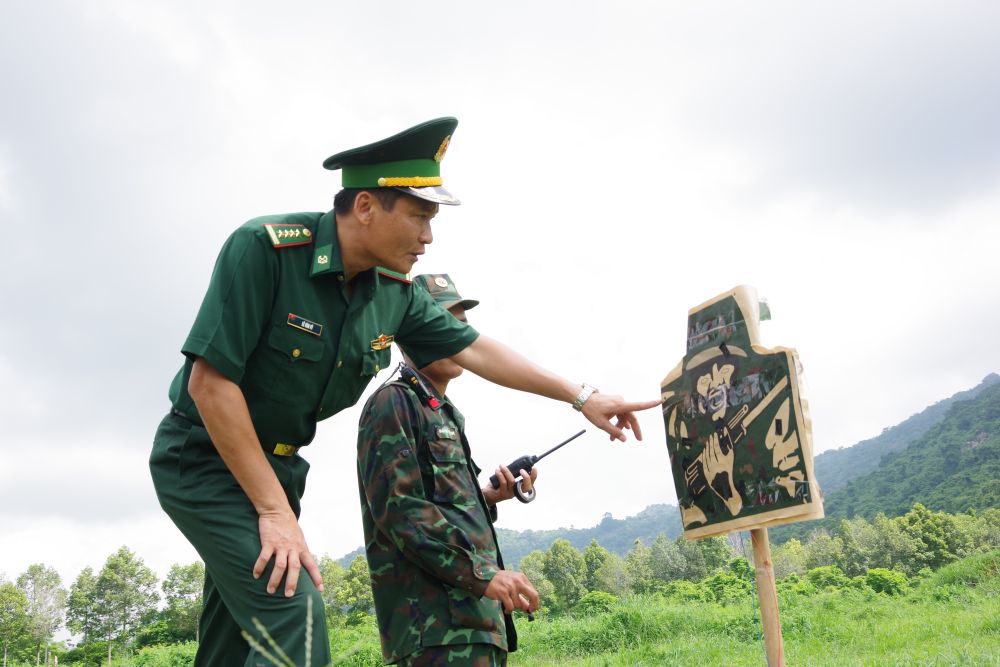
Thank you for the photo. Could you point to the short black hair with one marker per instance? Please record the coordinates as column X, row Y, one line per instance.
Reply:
column 343, row 201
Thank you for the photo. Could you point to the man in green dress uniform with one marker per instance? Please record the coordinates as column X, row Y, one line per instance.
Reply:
column 440, row 588
column 299, row 316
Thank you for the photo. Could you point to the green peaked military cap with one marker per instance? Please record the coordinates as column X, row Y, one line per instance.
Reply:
column 409, row 161
column 443, row 290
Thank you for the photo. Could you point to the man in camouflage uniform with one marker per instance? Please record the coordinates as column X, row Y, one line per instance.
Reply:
column 437, row 576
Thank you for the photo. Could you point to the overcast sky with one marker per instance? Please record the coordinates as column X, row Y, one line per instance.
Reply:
column 618, row 164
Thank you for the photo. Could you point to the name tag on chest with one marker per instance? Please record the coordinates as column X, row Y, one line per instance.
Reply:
column 315, row 328
column 446, row 433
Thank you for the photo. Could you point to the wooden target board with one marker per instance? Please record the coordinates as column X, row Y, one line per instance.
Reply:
column 738, row 429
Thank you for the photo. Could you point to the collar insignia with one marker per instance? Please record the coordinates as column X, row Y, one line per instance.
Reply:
column 382, row 342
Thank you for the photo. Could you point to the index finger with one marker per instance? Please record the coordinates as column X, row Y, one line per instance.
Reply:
column 526, row 481
column 262, row 560
column 639, row 406
column 531, row 594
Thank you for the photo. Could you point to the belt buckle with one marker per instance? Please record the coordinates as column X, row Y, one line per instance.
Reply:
column 281, row 449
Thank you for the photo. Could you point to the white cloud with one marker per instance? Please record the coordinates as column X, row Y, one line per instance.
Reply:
column 618, row 165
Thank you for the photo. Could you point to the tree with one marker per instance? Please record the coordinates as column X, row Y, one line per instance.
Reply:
column 821, row 548
column 13, row 616
column 941, row 540
column 594, row 556
column 354, row 595
column 182, row 590
column 81, row 617
column 665, row 560
column 788, row 558
column 894, row 548
column 124, row 596
column 611, row 577
column 333, row 574
column 881, row 543
column 703, row 557
column 567, row 570
column 46, row 599
column 982, row 528
column 639, row 568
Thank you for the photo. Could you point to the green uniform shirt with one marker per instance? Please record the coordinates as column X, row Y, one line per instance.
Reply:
column 278, row 321
column 429, row 537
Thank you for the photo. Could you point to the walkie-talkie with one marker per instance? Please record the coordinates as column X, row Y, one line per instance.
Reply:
column 422, row 391
column 525, row 463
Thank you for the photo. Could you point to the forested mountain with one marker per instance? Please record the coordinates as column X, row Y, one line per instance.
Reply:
column 954, row 466
column 946, row 457
column 616, row 535
column 835, row 468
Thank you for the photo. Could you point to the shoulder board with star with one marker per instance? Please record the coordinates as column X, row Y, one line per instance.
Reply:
column 401, row 277
column 286, row 235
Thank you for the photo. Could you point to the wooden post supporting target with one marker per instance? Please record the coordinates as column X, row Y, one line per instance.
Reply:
column 768, row 596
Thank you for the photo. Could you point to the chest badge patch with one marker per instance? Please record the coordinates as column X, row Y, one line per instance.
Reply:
column 315, row 328
column 382, row 342
column 446, row 433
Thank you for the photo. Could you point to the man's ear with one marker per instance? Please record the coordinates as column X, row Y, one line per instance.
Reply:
column 364, row 203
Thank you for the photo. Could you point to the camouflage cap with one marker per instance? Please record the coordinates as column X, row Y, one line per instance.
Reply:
column 409, row 161
column 441, row 287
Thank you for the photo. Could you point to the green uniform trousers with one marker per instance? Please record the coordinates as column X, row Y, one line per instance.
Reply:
column 201, row 496
column 464, row 655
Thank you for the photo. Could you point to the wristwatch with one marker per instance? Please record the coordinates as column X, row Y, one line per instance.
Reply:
column 581, row 398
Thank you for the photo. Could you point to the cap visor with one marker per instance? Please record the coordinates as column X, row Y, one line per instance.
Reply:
column 433, row 193
column 464, row 303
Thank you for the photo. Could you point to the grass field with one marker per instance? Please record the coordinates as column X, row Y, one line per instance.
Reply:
column 952, row 617
column 834, row 628
column 949, row 618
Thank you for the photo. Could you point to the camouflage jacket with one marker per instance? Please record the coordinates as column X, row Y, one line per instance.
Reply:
column 429, row 534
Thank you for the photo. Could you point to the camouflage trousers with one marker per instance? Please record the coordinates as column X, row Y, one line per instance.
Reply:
column 465, row 655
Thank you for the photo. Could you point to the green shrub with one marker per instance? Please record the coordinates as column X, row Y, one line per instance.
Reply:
column 357, row 645
column 740, row 567
column 685, row 591
column 886, row 581
column 827, row 576
column 793, row 585
column 789, row 594
column 170, row 655
column 90, row 654
column 595, row 602
column 726, row 587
